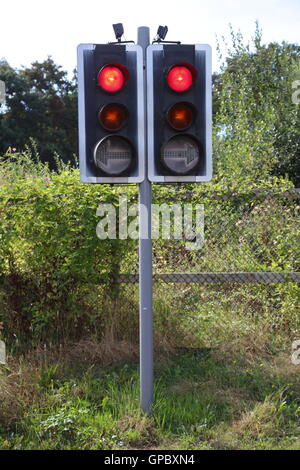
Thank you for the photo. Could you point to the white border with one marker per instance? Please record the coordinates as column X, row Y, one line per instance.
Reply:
column 140, row 120
column 152, row 175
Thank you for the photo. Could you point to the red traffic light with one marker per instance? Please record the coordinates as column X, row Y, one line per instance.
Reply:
column 112, row 78
column 180, row 116
column 181, row 77
column 113, row 116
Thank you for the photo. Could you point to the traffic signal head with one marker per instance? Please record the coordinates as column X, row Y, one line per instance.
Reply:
column 111, row 113
column 179, row 107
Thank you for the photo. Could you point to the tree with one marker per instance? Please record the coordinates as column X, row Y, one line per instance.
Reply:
column 41, row 103
column 257, row 124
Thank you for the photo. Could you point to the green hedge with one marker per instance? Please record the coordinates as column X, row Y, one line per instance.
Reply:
column 51, row 261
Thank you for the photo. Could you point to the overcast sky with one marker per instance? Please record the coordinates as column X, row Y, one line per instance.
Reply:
column 33, row 29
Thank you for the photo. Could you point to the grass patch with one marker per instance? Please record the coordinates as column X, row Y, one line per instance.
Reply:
column 202, row 401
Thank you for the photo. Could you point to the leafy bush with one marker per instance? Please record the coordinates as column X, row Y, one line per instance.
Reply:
column 58, row 280
column 49, row 250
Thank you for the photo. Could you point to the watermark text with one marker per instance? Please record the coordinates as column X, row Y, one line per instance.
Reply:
column 169, row 221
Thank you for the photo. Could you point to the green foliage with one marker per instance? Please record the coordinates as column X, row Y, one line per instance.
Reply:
column 49, row 250
column 51, row 261
column 41, row 103
column 256, row 124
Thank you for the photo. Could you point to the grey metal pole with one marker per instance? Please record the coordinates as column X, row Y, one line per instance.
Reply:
column 145, row 260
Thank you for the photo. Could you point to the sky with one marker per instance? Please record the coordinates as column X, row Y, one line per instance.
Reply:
column 33, row 29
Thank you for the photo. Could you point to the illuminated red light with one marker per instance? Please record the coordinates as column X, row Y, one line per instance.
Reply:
column 180, row 78
column 111, row 78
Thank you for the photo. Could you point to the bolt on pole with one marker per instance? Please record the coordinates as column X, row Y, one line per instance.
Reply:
column 145, row 264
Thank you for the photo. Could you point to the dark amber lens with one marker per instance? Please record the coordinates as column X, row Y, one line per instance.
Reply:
column 181, row 116
column 113, row 116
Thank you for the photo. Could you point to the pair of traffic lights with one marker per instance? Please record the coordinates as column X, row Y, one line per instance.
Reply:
column 111, row 95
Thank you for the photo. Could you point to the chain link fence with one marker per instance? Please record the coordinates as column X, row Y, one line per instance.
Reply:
column 248, row 266
column 217, row 278
column 252, row 237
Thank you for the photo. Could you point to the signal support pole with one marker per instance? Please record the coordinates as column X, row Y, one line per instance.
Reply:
column 145, row 264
